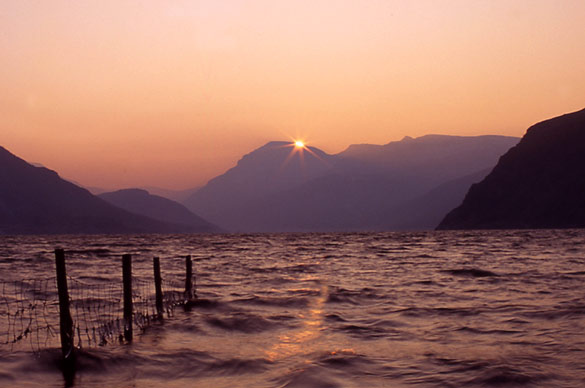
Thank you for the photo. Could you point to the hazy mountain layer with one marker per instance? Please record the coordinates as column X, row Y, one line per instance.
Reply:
column 35, row 200
column 540, row 183
column 139, row 201
column 272, row 168
column 366, row 187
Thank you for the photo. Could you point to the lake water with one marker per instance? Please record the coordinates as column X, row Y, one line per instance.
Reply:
column 428, row 309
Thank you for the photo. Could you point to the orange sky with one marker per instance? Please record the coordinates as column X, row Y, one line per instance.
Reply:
column 171, row 93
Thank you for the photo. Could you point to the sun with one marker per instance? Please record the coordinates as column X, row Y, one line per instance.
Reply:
column 299, row 144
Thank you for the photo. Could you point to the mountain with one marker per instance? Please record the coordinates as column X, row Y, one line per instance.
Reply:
column 141, row 202
column 35, row 200
column 91, row 189
column 434, row 159
column 366, row 187
column 540, row 183
column 274, row 167
column 427, row 211
column 173, row 195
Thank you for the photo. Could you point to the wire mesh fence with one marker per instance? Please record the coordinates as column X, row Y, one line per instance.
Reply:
column 30, row 311
column 96, row 312
column 27, row 313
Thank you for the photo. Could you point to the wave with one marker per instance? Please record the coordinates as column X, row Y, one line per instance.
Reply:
column 206, row 304
column 502, row 376
column 242, row 322
column 98, row 252
column 354, row 297
column 471, row 272
column 286, row 302
column 425, row 312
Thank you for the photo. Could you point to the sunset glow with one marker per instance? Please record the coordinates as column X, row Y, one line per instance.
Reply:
column 332, row 193
column 124, row 93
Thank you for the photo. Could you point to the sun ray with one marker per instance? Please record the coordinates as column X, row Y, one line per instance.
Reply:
column 299, row 145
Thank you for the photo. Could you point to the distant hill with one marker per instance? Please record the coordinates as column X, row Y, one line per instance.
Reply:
column 35, row 200
column 433, row 159
column 426, row 211
column 540, row 183
column 366, row 187
column 141, row 202
column 173, row 195
column 274, row 167
column 91, row 189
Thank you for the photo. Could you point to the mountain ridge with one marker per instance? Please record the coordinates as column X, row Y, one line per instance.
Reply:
column 345, row 191
column 140, row 201
column 36, row 200
column 539, row 183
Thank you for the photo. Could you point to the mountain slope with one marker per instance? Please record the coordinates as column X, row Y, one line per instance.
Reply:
column 173, row 195
column 274, row 167
column 362, row 188
column 434, row 159
column 35, row 200
column 139, row 201
column 426, row 211
column 540, row 183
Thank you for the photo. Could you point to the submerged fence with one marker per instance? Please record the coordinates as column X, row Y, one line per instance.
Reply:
column 67, row 312
column 26, row 308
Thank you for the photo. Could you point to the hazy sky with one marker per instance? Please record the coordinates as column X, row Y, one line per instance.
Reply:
column 171, row 93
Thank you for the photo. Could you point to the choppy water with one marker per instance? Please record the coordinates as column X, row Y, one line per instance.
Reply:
column 435, row 309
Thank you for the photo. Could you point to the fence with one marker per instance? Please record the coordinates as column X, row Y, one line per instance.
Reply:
column 66, row 312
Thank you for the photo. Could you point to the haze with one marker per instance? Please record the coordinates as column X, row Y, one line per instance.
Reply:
column 171, row 93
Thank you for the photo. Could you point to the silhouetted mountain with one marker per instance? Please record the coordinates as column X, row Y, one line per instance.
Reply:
column 428, row 210
column 274, row 167
column 173, row 195
column 433, row 159
column 91, row 189
column 141, row 202
column 540, row 183
column 366, row 187
column 35, row 200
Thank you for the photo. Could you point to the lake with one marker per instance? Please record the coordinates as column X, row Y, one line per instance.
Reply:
column 424, row 309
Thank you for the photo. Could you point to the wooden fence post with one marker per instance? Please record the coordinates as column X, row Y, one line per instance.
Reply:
column 65, row 321
column 188, row 278
column 127, row 279
column 158, row 287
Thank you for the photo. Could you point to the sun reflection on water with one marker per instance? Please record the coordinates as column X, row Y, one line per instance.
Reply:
column 299, row 341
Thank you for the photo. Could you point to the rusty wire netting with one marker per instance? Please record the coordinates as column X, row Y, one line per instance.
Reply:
column 29, row 314
column 29, row 311
column 96, row 312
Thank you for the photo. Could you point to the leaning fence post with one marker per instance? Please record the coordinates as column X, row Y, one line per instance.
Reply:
column 188, row 278
column 65, row 321
column 158, row 287
column 127, row 279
